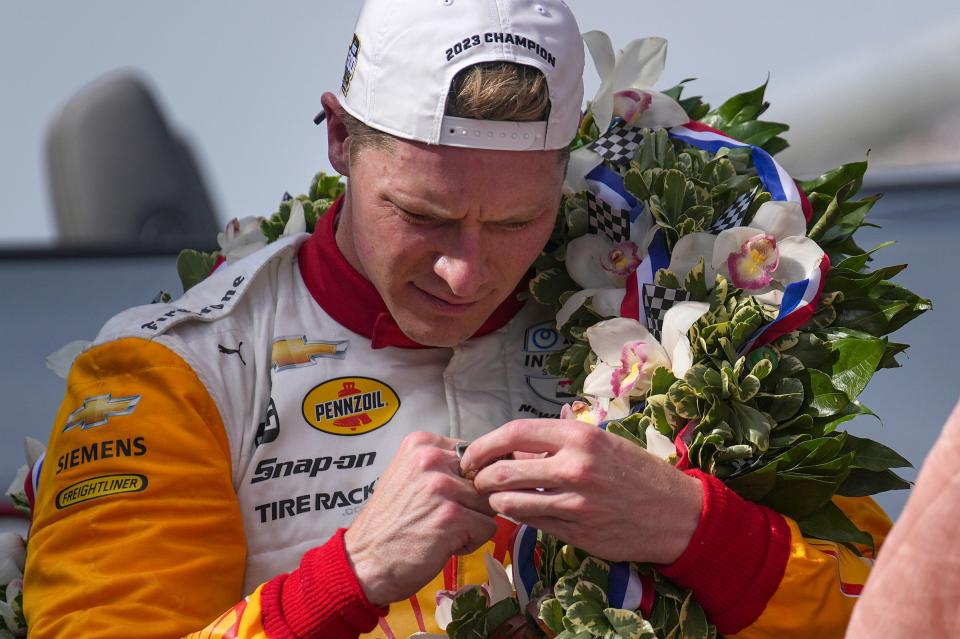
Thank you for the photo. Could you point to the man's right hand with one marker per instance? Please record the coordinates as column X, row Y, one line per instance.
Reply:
column 420, row 514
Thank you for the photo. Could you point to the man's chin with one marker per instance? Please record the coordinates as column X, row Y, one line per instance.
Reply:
column 438, row 332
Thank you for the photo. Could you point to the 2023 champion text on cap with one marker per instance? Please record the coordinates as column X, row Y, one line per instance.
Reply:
column 405, row 53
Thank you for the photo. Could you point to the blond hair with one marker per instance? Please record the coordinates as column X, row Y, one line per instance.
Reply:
column 503, row 91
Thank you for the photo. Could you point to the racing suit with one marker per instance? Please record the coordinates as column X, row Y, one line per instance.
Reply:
column 220, row 444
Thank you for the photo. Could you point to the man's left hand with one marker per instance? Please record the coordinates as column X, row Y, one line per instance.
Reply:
column 588, row 487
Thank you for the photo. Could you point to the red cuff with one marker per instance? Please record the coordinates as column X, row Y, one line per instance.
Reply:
column 736, row 557
column 322, row 598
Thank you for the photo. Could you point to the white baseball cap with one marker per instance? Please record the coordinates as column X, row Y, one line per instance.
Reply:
column 405, row 53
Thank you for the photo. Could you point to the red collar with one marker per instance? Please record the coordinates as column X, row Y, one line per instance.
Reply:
column 353, row 302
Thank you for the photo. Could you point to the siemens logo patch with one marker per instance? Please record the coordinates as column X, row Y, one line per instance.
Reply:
column 273, row 469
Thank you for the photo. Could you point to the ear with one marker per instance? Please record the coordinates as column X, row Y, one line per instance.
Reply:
column 338, row 138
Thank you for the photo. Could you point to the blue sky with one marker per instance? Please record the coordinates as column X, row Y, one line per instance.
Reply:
column 242, row 79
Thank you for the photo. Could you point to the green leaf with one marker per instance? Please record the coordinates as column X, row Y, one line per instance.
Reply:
column 500, row 612
column 857, row 361
column 693, row 621
column 826, row 400
column 740, row 108
column 472, row 600
column 588, row 614
column 696, row 283
column 871, row 455
column 831, row 181
column 551, row 613
column 663, row 378
column 862, row 483
column 548, row 286
column 628, row 624
column 589, row 591
column 754, row 486
column 563, row 589
column 595, row 572
column 756, row 132
column 193, row 267
column 830, row 523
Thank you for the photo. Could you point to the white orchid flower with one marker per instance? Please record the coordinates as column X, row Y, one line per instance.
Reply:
column 627, row 81
column 628, row 354
column 601, row 268
column 61, row 360
column 297, row 222
column 241, row 238
column 659, row 445
column 13, row 555
column 497, row 588
column 626, row 91
column 761, row 258
column 11, row 610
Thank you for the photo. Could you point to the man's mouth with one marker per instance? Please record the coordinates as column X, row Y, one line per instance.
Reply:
column 445, row 305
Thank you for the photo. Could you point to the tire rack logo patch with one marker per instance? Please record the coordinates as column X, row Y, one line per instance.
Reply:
column 539, row 341
column 350, row 405
column 296, row 351
column 97, row 411
column 97, row 487
column 351, row 65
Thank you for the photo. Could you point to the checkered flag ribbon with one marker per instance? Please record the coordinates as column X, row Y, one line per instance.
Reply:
column 657, row 300
column 618, row 144
column 603, row 218
column 733, row 216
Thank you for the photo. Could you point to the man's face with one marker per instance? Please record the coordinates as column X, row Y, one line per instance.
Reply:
column 445, row 234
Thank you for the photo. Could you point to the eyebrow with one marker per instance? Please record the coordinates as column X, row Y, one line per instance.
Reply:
column 428, row 208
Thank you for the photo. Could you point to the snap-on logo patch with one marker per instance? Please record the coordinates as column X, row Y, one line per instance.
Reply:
column 350, row 405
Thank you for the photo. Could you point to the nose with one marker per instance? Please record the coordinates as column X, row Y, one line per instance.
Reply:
column 462, row 265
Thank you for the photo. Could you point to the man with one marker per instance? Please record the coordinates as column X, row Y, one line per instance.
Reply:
column 298, row 411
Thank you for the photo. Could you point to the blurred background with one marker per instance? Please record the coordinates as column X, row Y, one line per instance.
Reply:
column 131, row 130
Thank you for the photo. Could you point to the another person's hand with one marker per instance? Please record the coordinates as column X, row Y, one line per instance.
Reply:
column 598, row 491
column 420, row 514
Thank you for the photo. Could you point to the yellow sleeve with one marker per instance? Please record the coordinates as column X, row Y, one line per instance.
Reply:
column 822, row 580
column 136, row 529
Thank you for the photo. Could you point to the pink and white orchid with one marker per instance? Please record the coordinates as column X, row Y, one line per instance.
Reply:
column 761, row 258
column 626, row 90
column 240, row 238
column 627, row 81
column 497, row 588
column 628, row 354
column 601, row 268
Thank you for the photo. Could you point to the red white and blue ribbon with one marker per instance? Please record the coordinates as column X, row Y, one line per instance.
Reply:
column 773, row 176
column 798, row 305
column 657, row 258
column 607, row 185
column 626, row 588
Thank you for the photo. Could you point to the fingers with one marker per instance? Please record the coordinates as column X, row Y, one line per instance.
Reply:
column 522, row 435
column 479, row 528
column 525, row 505
column 527, row 474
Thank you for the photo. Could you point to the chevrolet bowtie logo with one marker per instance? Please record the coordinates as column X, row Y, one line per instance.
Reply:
column 294, row 352
column 96, row 411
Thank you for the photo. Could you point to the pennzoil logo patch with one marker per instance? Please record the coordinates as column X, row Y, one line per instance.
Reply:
column 97, row 487
column 351, row 65
column 350, row 405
